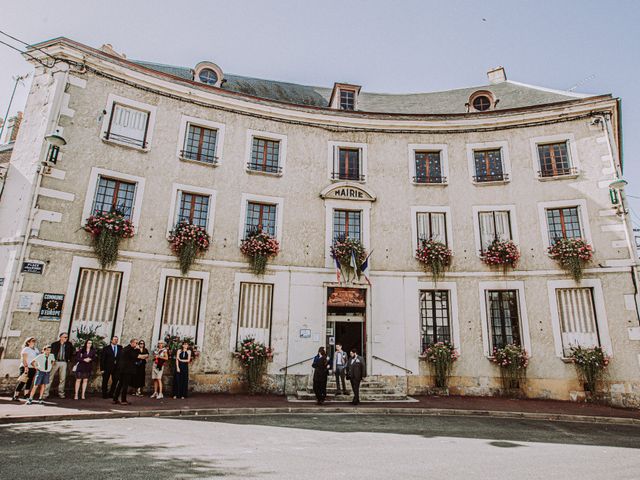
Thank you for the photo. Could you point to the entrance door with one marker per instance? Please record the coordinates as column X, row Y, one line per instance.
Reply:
column 349, row 335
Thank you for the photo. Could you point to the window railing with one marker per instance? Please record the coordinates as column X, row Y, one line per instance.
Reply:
column 136, row 142
column 496, row 177
column 558, row 172
column 347, row 176
column 259, row 167
column 198, row 157
column 429, row 179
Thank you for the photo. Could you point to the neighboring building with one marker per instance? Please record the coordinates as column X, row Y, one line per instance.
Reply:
column 308, row 164
column 9, row 135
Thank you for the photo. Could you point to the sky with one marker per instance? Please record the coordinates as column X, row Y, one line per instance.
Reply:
column 384, row 45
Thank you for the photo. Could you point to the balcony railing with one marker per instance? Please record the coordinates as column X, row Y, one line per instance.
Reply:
column 558, row 172
column 430, row 179
column 356, row 177
column 198, row 157
column 496, row 177
column 135, row 142
column 260, row 167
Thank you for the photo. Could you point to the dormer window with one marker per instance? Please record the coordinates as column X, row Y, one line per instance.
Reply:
column 481, row 101
column 208, row 73
column 347, row 100
column 208, row 76
column 344, row 96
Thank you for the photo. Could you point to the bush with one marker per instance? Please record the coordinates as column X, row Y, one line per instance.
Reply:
column 513, row 361
column 591, row 364
column 441, row 357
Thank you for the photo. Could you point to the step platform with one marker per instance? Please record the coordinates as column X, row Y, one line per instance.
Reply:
column 371, row 390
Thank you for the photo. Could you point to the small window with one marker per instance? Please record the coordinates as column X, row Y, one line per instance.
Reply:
column 128, row 125
column 261, row 216
column 435, row 322
column 554, row 160
column 348, row 165
column 347, row 224
column 488, row 166
column 495, row 225
column 265, row 155
column 114, row 195
column 200, row 144
column 428, row 168
column 254, row 312
column 504, row 318
column 194, row 209
column 431, row 226
column 563, row 223
column 208, row 76
column 481, row 103
column 347, row 100
column 578, row 325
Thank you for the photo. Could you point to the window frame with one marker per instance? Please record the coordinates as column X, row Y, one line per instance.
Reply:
column 365, row 225
column 503, row 146
column 347, row 211
column 185, row 121
column 454, row 325
column 112, row 100
column 477, row 209
column 176, row 192
column 583, row 216
column 277, row 201
column 572, row 152
column 354, row 99
column 416, row 209
column 414, row 148
column 333, row 160
column 271, row 136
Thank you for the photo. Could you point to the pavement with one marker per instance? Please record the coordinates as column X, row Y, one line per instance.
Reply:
column 207, row 404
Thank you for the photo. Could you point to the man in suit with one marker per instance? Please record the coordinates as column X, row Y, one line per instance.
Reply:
column 110, row 366
column 356, row 371
column 64, row 353
column 127, row 371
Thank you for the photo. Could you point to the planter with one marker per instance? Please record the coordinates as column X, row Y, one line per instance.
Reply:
column 259, row 247
column 572, row 254
column 435, row 257
column 187, row 242
column 107, row 230
column 503, row 254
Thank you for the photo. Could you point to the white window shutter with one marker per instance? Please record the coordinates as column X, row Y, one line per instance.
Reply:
column 577, row 318
column 438, row 232
column 181, row 307
column 254, row 316
column 422, row 220
column 487, row 229
column 502, row 227
column 128, row 123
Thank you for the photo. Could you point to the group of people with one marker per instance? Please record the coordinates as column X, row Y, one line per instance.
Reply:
column 122, row 367
column 352, row 368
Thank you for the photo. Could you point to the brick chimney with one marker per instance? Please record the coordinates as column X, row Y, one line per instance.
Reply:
column 11, row 128
column 497, row 75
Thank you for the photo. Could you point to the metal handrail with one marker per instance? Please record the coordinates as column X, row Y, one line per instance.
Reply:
column 391, row 363
column 297, row 363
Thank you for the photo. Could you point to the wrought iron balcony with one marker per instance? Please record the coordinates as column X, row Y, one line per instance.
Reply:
column 429, row 179
column 198, row 157
column 496, row 177
column 558, row 172
column 260, row 167
column 134, row 142
column 347, row 176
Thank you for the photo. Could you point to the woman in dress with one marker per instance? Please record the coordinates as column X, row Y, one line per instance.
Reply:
column 84, row 367
column 320, row 374
column 181, row 382
column 160, row 356
column 141, row 368
column 27, row 371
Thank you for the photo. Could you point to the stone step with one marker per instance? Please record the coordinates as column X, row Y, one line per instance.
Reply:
column 304, row 395
column 369, row 391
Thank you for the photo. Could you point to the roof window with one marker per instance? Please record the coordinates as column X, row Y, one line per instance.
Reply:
column 208, row 73
column 481, row 101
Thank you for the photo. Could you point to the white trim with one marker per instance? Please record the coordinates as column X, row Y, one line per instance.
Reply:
column 430, row 209
column 331, row 152
column 598, row 305
column 483, row 287
column 93, row 186
column 210, row 66
column 504, row 154
column 330, row 206
column 250, row 197
column 182, row 138
column 86, row 262
column 552, row 90
column 433, row 147
column 477, row 209
column 170, row 272
column 583, row 214
column 452, row 287
column 176, row 192
column 111, row 99
column 282, row 152
column 572, row 151
column 57, row 194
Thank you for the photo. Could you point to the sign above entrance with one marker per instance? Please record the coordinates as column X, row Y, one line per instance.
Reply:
column 347, row 191
column 346, row 297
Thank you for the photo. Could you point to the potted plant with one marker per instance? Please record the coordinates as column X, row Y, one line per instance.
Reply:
column 513, row 361
column 434, row 256
column 503, row 253
column 591, row 364
column 107, row 229
column 349, row 253
column 187, row 242
column 572, row 254
column 441, row 357
column 253, row 356
column 259, row 247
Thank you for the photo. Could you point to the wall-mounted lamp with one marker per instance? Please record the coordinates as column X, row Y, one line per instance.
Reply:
column 55, row 139
column 618, row 184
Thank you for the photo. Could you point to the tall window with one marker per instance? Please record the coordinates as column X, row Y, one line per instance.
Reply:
column 261, row 216
column 495, row 225
column 128, row 125
column 554, row 160
column 428, row 168
column 563, row 223
column 96, row 301
column 348, row 165
column 435, row 325
column 504, row 317
column 181, row 307
column 200, row 144
column 347, row 223
column 431, row 226
column 114, row 195
column 488, row 166
column 254, row 312
column 347, row 100
column 578, row 325
column 265, row 155
column 194, row 209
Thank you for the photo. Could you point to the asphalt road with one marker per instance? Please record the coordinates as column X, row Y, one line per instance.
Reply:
column 319, row 446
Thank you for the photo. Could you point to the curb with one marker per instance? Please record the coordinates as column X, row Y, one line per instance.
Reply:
column 431, row 412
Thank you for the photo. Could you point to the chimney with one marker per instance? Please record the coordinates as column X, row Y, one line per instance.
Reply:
column 497, row 75
column 108, row 48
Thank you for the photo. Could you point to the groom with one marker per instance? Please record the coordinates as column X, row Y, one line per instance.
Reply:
column 356, row 371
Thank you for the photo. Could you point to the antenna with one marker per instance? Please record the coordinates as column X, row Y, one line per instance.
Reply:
column 581, row 82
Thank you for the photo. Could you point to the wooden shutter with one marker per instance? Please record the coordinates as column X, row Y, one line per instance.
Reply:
column 96, row 302
column 181, row 307
column 577, row 315
column 254, row 313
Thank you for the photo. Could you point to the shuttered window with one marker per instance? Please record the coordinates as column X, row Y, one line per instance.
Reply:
column 432, row 226
column 578, row 325
column 254, row 312
column 181, row 307
column 494, row 226
column 128, row 125
column 96, row 301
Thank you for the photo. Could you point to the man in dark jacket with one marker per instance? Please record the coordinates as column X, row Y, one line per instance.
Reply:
column 109, row 364
column 130, row 355
column 356, row 371
column 63, row 353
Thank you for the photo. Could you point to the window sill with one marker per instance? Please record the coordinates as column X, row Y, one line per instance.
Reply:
column 493, row 182
column 346, row 180
column 259, row 172
column 426, row 184
column 126, row 145
column 558, row 177
column 198, row 162
column 566, row 360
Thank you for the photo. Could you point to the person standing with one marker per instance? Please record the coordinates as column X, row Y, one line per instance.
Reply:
column 27, row 372
column 127, row 371
column 160, row 356
column 84, row 367
column 356, row 371
column 339, row 368
column 43, row 364
column 63, row 351
column 181, row 381
column 321, row 368
column 141, row 368
column 110, row 366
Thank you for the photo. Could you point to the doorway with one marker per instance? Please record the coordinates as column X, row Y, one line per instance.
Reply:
column 346, row 319
column 349, row 335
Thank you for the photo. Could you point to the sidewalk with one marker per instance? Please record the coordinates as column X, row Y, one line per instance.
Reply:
column 237, row 404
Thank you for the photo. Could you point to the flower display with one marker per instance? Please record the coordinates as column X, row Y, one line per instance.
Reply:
column 503, row 253
column 571, row 254
column 591, row 364
column 513, row 361
column 259, row 247
column 344, row 249
column 441, row 357
column 434, row 256
column 107, row 229
column 173, row 344
column 253, row 355
column 187, row 242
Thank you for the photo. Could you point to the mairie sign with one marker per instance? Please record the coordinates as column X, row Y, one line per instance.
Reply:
column 347, row 191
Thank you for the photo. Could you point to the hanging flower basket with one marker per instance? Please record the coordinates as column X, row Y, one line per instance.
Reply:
column 348, row 252
column 503, row 253
column 187, row 242
column 259, row 247
column 441, row 357
column 107, row 229
column 253, row 356
column 512, row 361
column 572, row 254
column 434, row 256
column 591, row 364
